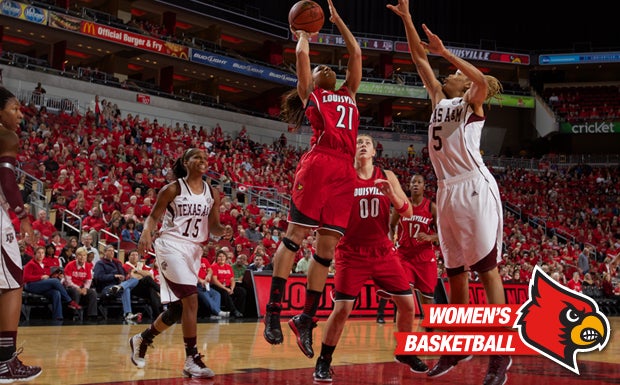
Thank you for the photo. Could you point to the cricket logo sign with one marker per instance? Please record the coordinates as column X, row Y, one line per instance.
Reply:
column 559, row 323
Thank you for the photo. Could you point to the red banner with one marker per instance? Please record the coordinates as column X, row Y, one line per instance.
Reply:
column 366, row 303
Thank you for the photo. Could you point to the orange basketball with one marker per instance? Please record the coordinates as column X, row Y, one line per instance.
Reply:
column 306, row 15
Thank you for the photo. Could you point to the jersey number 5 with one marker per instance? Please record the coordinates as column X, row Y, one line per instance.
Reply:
column 192, row 230
column 437, row 146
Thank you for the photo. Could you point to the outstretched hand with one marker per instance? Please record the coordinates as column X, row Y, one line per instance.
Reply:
column 401, row 9
column 434, row 45
column 332, row 11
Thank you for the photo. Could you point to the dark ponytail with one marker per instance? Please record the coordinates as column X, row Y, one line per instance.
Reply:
column 292, row 108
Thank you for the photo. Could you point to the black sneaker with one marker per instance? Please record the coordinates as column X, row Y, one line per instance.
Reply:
column 323, row 371
column 380, row 319
column 498, row 366
column 445, row 364
column 273, row 329
column 302, row 326
column 14, row 370
column 415, row 364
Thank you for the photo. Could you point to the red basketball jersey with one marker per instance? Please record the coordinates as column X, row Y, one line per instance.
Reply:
column 408, row 228
column 334, row 118
column 370, row 214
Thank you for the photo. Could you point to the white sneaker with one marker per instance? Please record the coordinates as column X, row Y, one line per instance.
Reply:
column 194, row 367
column 224, row 314
column 138, row 350
column 133, row 318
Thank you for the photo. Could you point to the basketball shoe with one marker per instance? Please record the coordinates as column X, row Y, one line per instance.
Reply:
column 323, row 371
column 14, row 370
column 498, row 366
column 195, row 368
column 416, row 365
column 273, row 329
column 445, row 364
column 138, row 350
column 302, row 326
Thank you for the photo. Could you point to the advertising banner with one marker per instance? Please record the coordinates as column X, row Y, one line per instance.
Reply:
column 24, row 12
column 119, row 36
column 599, row 127
column 243, row 67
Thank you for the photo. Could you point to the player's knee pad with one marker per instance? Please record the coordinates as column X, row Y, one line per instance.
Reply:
column 289, row 244
column 322, row 261
column 173, row 314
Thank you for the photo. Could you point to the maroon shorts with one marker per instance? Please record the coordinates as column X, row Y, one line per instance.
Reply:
column 421, row 271
column 323, row 190
column 356, row 264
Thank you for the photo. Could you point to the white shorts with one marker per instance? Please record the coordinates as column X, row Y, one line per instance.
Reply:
column 179, row 263
column 469, row 218
column 11, row 271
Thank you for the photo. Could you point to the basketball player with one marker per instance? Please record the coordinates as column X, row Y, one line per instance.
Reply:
column 323, row 188
column 11, row 271
column 469, row 210
column 414, row 239
column 190, row 211
column 367, row 251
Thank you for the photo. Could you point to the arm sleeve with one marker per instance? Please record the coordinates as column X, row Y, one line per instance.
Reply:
column 9, row 187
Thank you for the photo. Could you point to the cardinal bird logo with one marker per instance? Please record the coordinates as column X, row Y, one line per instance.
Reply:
column 558, row 322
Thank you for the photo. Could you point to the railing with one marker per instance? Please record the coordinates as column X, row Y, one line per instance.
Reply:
column 75, row 225
column 109, row 235
column 53, row 103
column 34, row 189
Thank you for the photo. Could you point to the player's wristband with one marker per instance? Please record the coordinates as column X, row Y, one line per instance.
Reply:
column 403, row 208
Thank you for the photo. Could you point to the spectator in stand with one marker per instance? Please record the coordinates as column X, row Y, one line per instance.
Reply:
column 129, row 233
column 323, row 188
column 113, row 232
column 304, row 263
column 242, row 239
column 575, row 282
column 252, row 233
column 146, row 287
column 583, row 261
column 38, row 279
column 45, row 227
column 78, row 280
column 111, row 279
column 233, row 296
column 50, row 259
column 87, row 243
column 60, row 205
column 210, row 298
column 94, row 223
column 239, row 267
column 11, row 279
column 258, row 264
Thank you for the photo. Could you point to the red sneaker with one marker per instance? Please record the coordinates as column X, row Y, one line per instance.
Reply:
column 74, row 305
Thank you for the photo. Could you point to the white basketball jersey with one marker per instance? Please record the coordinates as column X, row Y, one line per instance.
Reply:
column 187, row 216
column 454, row 139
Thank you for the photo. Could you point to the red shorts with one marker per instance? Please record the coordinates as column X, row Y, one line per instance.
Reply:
column 356, row 264
column 323, row 190
column 421, row 271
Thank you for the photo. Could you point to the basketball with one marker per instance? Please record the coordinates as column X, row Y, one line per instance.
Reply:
column 306, row 15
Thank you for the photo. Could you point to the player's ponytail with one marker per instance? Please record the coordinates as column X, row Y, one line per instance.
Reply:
column 292, row 108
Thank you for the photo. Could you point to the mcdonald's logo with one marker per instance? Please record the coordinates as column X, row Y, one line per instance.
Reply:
column 89, row 28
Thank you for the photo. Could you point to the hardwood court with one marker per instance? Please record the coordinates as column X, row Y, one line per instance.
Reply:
column 237, row 352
